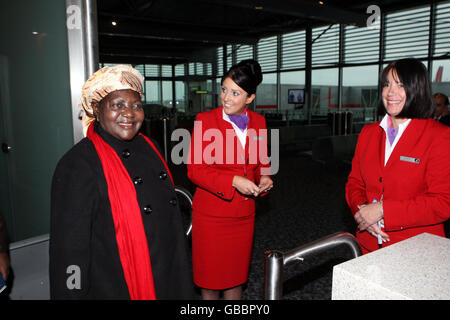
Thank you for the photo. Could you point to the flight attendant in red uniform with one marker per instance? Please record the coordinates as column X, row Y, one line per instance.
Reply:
column 230, row 168
column 400, row 173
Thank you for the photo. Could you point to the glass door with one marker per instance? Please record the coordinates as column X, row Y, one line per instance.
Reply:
column 35, row 110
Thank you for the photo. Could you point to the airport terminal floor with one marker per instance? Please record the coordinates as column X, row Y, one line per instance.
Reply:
column 306, row 204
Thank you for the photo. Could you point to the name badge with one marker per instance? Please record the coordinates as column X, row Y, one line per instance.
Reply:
column 410, row 159
column 258, row 138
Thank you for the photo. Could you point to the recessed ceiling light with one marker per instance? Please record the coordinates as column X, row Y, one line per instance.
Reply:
column 114, row 23
column 321, row 2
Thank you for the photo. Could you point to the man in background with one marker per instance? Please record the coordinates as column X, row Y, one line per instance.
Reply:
column 441, row 108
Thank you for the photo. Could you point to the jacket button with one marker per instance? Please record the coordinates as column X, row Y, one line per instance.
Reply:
column 147, row 209
column 173, row 201
column 138, row 180
column 126, row 153
column 381, row 179
column 162, row 175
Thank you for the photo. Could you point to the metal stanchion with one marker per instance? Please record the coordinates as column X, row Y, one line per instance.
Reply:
column 273, row 275
column 276, row 260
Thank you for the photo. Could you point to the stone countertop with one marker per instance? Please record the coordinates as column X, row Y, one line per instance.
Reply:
column 417, row 268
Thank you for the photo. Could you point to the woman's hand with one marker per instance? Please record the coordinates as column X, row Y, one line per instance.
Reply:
column 367, row 217
column 375, row 230
column 245, row 186
column 265, row 184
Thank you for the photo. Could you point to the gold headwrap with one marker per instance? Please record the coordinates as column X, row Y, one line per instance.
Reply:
column 103, row 82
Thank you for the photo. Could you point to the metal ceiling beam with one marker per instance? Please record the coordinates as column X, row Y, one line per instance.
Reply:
column 145, row 30
column 301, row 9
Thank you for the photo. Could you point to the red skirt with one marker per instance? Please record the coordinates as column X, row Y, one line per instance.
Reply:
column 221, row 250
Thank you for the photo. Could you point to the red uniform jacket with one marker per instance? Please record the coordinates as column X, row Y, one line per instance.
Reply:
column 415, row 182
column 214, row 160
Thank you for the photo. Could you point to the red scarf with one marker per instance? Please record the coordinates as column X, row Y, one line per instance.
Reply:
column 130, row 234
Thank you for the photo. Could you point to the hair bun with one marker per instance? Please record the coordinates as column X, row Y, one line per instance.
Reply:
column 255, row 69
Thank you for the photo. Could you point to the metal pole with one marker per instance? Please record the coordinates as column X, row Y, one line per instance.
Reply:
column 165, row 138
column 81, row 24
column 276, row 260
column 323, row 244
column 91, row 40
column 273, row 275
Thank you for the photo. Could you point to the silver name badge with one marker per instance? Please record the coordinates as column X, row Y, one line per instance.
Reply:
column 258, row 138
column 410, row 159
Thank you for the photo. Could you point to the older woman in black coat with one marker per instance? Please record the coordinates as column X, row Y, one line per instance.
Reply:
column 116, row 230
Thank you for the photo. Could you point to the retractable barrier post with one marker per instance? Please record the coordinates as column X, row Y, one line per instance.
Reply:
column 273, row 285
column 276, row 260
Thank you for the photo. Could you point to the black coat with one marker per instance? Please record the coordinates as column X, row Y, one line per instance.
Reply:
column 82, row 230
column 445, row 120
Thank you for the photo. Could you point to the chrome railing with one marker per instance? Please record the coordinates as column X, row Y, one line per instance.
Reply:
column 184, row 193
column 275, row 261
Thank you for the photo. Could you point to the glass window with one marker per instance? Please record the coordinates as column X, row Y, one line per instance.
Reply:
column 219, row 89
column 244, row 52
column 191, row 69
column 152, row 70
column 199, row 70
column 292, row 80
column 360, row 92
column 152, row 92
column 407, row 34
column 361, row 44
column 324, row 83
column 220, row 61
column 441, row 76
column 208, row 67
column 442, row 29
column 140, row 68
column 293, row 50
column 229, row 56
column 266, row 93
column 166, row 70
column 267, row 54
column 167, row 94
column 325, row 45
column 180, row 94
column 179, row 70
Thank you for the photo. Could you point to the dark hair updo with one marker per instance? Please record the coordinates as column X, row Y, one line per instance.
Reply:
column 246, row 74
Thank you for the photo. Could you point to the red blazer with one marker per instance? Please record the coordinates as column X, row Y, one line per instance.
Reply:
column 415, row 182
column 220, row 161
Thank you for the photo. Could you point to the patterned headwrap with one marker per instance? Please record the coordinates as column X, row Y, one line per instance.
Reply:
column 103, row 82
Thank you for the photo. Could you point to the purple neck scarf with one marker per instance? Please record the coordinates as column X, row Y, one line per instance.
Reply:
column 392, row 133
column 240, row 121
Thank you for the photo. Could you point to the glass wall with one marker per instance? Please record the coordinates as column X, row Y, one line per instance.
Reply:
column 266, row 94
column 291, row 81
column 440, row 76
column 355, row 54
column 324, row 83
column 360, row 91
column 152, row 92
column 167, row 93
column 180, row 96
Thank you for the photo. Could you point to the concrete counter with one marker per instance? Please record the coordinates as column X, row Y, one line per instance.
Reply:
column 417, row 268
